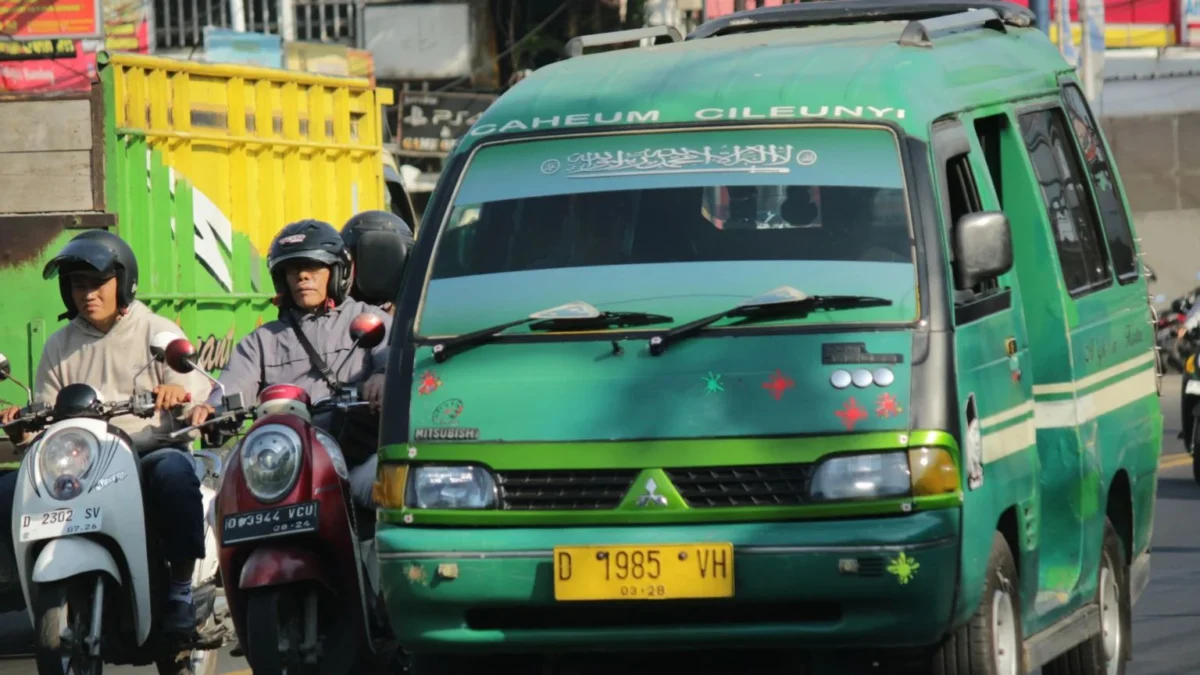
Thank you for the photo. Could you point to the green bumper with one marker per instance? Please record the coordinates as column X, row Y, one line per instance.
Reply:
column 795, row 585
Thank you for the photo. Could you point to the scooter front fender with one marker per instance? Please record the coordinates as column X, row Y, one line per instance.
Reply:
column 66, row 557
column 279, row 564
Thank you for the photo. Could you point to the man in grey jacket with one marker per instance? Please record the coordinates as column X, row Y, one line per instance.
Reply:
column 310, row 267
column 105, row 345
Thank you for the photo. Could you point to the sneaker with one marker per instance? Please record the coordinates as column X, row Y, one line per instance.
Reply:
column 180, row 618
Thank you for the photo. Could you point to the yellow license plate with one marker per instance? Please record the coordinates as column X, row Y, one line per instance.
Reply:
column 670, row 572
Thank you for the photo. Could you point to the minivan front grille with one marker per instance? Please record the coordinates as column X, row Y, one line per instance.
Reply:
column 576, row 490
column 767, row 485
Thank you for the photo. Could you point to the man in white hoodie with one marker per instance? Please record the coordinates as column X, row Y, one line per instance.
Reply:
column 105, row 344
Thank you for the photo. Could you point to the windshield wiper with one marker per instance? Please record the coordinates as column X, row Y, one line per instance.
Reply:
column 781, row 302
column 571, row 316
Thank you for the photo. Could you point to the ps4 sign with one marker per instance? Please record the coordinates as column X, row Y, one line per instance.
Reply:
column 433, row 123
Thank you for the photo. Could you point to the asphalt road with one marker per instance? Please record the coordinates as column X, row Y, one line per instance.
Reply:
column 1166, row 621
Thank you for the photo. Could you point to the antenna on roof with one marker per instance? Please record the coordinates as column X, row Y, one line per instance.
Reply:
column 576, row 45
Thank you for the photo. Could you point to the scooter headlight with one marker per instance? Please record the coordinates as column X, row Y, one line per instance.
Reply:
column 64, row 459
column 271, row 461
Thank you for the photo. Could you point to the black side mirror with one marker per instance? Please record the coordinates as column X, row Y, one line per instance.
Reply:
column 982, row 248
column 379, row 267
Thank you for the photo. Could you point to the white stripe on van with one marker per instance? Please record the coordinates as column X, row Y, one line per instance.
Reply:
column 1076, row 385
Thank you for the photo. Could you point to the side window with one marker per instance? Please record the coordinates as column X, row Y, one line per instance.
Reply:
column 1108, row 197
column 1067, row 200
column 988, row 130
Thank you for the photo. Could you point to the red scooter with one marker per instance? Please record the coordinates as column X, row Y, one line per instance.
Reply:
column 295, row 550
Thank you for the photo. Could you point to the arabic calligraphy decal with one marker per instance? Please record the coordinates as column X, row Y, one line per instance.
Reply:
column 761, row 158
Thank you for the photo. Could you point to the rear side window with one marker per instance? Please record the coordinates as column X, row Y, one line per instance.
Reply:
column 1108, row 196
column 1067, row 201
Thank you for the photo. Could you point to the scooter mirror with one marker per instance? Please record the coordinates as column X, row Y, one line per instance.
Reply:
column 160, row 342
column 367, row 331
column 178, row 355
column 5, row 368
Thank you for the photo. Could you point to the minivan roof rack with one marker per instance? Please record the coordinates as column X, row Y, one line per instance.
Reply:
column 576, row 45
column 828, row 12
column 920, row 33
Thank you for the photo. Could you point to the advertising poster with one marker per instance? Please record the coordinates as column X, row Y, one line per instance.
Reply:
column 222, row 45
column 41, row 19
column 38, row 61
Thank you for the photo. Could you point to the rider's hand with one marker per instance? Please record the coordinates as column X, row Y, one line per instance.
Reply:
column 373, row 391
column 9, row 414
column 200, row 414
column 167, row 396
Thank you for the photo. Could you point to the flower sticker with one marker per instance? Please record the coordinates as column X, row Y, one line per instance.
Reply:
column 886, row 406
column 903, row 568
column 429, row 383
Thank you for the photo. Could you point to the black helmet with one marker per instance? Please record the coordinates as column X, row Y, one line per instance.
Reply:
column 96, row 251
column 369, row 221
column 311, row 240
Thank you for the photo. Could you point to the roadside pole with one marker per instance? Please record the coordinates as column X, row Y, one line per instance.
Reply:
column 1092, row 45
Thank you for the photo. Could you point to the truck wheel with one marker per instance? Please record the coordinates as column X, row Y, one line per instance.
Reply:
column 992, row 642
column 1105, row 651
column 53, row 613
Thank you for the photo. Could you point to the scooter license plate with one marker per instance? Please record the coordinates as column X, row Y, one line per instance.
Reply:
column 1192, row 387
column 60, row 523
column 276, row 522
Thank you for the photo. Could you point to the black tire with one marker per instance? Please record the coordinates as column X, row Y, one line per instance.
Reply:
column 1193, row 444
column 971, row 649
column 51, row 611
column 265, row 611
column 1091, row 657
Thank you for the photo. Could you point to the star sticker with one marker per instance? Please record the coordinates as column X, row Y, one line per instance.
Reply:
column 886, row 406
column 712, row 383
column 851, row 413
column 429, row 383
column 778, row 384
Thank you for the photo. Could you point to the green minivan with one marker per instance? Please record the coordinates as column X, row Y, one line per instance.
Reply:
column 823, row 331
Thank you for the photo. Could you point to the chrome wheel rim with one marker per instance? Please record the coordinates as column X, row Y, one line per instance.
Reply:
column 1004, row 633
column 1110, row 619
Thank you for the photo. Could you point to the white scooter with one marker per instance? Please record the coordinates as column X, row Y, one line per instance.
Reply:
column 93, row 581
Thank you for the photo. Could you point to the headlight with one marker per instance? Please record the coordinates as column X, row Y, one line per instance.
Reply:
column 451, row 487
column 862, row 477
column 64, row 459
column 934, row 472
column 271, row 461
column 335, row 453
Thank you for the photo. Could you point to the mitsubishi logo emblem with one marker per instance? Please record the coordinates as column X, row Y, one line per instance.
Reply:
column 651, row 497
